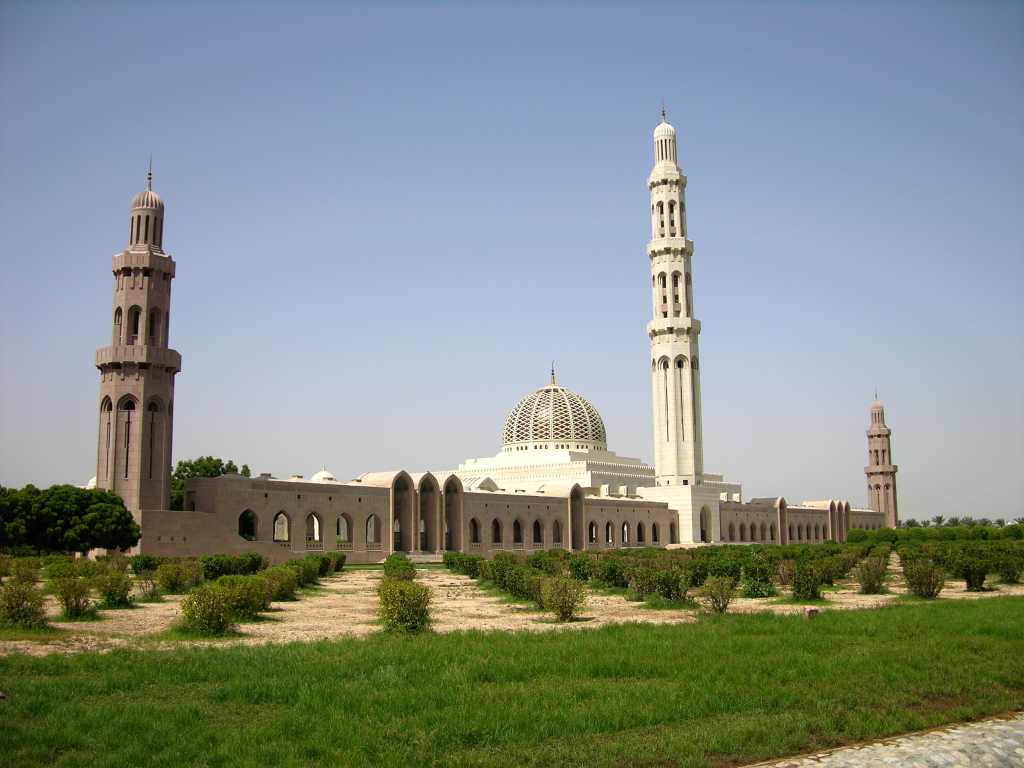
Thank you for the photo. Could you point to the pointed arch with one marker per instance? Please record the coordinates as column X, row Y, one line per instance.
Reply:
column 496, row 532
column 517, row 532
column 640, row 533
column 474, row 531
column 343, row 531
column 654, row 534
column 538, row 532
column 247, row 525
column 282, row 527
column 373, row 532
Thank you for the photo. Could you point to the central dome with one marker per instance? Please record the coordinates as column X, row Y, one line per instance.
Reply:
column 554, row 417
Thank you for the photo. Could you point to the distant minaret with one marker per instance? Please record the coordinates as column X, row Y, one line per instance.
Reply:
column 673, row 331
column 881, row 471
column 136, row 409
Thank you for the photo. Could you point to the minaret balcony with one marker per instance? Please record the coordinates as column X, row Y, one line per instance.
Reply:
column 138, row 354
column 147, row 258
column 680, row 326
column 669, row 245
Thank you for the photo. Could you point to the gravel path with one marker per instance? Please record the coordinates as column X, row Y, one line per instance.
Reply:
column 997, row 743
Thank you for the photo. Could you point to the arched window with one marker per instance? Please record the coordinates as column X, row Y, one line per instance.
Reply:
column 117, row 326
column 654, row 533
column 247, row 525
column 592, row 532
column 672, row 537
column 134, row 320
column 495, row 532
column 373, row 530
column 743, row 531
column 474, row 531
column 672, row 218
column 153, row 328
column 639, row 533
column 538, row 532
column 556, row 532
column 343, row 530
column 106, row 419
column 764, row 532
column 732, row 532
column 790, row 538
column 517, row 532
column 281, row 527
column 625, row 534
column 771, row 531
column 312, row 528
column 609, row 533
column 152, row 410
column 127, row 407
column 800, row 533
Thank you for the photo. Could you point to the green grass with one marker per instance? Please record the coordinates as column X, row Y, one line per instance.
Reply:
column 725, row 690
column 49, row 632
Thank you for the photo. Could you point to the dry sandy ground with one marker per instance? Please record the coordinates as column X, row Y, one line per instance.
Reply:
column 346, row 605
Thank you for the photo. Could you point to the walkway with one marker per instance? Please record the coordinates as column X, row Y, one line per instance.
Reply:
column 995, row 743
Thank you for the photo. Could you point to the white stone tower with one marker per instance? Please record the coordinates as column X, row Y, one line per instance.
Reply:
column 673, row 331
column 136, row 404
column 881, row 472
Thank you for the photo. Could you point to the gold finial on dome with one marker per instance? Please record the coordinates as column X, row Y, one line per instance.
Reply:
column 149, row 175
column 664, row 112
column 553, row 383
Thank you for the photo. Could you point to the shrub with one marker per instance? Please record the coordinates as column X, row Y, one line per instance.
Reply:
column 870, row 574
column 324, row 564
column 717, row 592
column 306, row 571
column 250, row 563
column 517, row 581
column 580, row 566
column 643, row 581
column 610, row 570
column 924, row 577
column 141, row 563
column 1010, row 565
column 972, row 567
column 785, row 571
column 25, row 569
column 115, row 588
column 149, row 590
column 565, row 597
column 398, row 566
column 337, row 561
column 206, row 610
column 281, row 582
column 72, row 592
column 404, row 605
column 61, row 569
column 757, row 577
column 806, row 580
column 546, row 561
column 5, row 566
column 21, row 605
column 246, row 596
column 485, row 570
column 172, row 578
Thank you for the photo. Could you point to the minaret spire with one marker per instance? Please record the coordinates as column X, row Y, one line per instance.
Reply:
column 553, row 374
column 149, row 175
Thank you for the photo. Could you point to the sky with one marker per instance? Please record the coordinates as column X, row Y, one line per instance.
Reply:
column 388, row 219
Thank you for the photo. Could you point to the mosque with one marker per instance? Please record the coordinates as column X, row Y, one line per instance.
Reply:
column 553, row 483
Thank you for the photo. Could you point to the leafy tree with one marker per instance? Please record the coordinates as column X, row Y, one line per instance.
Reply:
column 65, row 518
column 204, row 466
column 938, row 520
column 245, row 471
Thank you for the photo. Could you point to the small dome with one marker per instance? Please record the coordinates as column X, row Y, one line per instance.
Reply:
column 91, row 484
column 147, row 198
column 323, row 476
column 552, row 414
column 664, row 130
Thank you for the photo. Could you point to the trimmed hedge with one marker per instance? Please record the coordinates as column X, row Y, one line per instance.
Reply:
column 206, row 610
column 246, row 596
column 398, row 566
column 404, row 605
column 21, row 605
column 282, row 582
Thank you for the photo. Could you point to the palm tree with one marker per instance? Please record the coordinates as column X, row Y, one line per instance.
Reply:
column 953, row 521
column 938, row 520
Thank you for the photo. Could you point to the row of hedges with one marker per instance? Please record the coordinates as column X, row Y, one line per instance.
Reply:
column 939, row 533
column 541, row 577
column 973, row 560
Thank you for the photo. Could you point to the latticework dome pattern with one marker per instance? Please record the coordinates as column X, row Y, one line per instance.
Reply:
column 555, row 415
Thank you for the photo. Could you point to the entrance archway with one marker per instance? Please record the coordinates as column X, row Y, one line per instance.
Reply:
column 430, row 514
column 453, row 514
column 402, row 529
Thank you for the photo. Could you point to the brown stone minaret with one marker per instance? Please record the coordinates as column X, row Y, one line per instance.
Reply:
column 881, row 471
column 136, row 403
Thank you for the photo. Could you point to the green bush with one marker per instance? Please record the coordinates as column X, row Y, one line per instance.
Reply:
column 25, row 569
column 306, row 571
column 1009, row 565
column 581, row 566
column 404, row 605
column 565, row 597
column 757, row 577
column 785, row 571
column 215, row 566
column 870, row 574
column 206, row 610
column 115, row 588
column 398, row 566
column 149, row 589
column 337, row 561
column 717, row 593
column 72, row 592
column 140, row 563
column 807, row 580
column 324, row 564
column 972, row 567
column 5, row 566
column 21, row 605
column 246, row 596
column 610, row 570
column 485, row 569
column 924, row 577
column 643, row 581
column 175, row 577
column 281, row 582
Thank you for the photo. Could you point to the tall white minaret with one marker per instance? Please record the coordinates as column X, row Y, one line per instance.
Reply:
column 673, row 331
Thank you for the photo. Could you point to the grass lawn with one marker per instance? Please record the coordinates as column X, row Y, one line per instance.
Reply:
column 719, row 692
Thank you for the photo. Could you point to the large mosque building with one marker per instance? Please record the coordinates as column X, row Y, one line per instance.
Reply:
column 553, row 483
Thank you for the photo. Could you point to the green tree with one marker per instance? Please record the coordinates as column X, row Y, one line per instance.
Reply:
column 204, row 466
column 245, row 470
column 65, row 518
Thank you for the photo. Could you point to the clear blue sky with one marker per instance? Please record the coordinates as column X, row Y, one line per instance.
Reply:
column 389, row 218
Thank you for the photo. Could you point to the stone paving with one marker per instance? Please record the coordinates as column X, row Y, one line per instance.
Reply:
column 997, row 743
